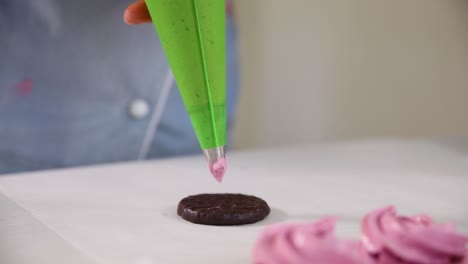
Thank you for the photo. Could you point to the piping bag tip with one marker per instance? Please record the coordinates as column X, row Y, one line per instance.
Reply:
column 217, row 163
column 218, row 169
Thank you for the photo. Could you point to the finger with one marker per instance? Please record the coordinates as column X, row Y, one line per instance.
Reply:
column 137, row 13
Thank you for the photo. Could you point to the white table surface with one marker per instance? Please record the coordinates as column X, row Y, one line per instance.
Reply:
column 125, row 213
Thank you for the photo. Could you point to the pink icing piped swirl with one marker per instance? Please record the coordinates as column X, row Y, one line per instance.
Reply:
column 392, row 239
column 304, row 243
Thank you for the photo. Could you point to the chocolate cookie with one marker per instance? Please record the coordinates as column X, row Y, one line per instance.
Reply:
column 223, row 209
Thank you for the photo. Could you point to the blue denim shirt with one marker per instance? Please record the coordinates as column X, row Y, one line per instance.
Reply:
column 72, row 74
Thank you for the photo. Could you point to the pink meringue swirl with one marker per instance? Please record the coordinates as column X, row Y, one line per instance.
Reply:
column 304, row 243
column 390, row 238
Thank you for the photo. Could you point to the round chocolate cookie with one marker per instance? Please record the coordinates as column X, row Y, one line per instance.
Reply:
column 223, row 209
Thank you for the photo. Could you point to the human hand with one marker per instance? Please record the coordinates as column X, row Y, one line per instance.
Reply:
column 137, row 13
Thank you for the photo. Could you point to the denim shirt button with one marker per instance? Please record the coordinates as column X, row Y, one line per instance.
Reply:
column 138, row 109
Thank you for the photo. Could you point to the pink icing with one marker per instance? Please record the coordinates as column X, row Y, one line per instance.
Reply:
column 386, row 239
column 392, row 239
column 218, row 169
column 304, row 243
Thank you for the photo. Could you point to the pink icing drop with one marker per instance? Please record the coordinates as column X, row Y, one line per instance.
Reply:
column 218, row 169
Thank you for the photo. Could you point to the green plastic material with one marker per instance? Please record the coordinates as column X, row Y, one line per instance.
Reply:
column 192, row 34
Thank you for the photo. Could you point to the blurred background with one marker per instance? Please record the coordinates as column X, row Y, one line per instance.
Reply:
column 311, row 71
column 315, row 71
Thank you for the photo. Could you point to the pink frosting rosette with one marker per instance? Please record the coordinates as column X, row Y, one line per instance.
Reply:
column 390, row 238
column 304, row 243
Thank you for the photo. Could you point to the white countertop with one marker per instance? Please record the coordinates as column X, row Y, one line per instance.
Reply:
column 125, row 213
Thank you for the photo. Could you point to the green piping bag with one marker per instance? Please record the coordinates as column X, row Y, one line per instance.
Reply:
column 192, row 34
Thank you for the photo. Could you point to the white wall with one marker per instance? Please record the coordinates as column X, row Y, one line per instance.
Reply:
column 339, row 69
